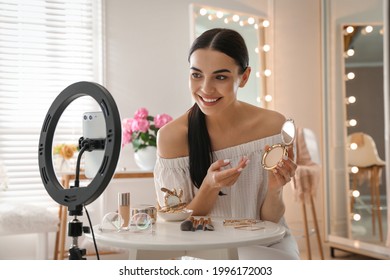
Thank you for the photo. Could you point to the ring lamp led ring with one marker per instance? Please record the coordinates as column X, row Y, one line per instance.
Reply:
column 80, row 196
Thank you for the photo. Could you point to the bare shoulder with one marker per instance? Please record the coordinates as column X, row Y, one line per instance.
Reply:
column 172, row 138
column 266, row 122
column 273, row 121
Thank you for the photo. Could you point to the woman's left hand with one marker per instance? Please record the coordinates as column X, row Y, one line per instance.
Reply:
column 283, row 172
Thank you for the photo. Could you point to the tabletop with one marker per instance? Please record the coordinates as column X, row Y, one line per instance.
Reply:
column 167, row 236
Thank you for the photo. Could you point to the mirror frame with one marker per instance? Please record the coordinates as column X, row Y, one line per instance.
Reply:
column 335, row 164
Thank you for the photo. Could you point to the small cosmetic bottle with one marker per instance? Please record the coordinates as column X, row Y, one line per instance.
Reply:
column 124, row 209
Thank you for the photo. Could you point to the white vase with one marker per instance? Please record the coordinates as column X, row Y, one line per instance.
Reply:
column 146, row 158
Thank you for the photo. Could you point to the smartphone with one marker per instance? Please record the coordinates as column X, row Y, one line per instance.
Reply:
column 94, row 126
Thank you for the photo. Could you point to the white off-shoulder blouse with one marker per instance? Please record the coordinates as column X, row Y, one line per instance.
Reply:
column 242, row 200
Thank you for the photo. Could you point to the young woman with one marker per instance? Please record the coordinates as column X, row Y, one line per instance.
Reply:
column 213, row 152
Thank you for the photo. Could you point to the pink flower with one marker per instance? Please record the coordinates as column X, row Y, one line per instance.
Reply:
column 161, row 120
column 126, row 124
column 141, row 125
column 126, row 137
column 141, row 113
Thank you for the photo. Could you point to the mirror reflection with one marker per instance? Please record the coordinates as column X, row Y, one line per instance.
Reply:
column 67, row 135
column 253, row 30
column 363, row 53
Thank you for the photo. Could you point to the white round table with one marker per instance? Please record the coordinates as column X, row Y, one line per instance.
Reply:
column 167, row 236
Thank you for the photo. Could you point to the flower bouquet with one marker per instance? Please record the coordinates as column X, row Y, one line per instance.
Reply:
column 141, row 130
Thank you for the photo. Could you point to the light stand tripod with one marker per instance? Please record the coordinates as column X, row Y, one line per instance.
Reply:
column 75, row 230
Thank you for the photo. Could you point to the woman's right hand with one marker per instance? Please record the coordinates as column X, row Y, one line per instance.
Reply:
column 217, row 177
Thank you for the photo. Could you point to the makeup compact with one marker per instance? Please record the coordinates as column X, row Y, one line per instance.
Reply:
column 274, row 154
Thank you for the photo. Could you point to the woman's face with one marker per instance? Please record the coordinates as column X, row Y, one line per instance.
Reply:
column 214, row 80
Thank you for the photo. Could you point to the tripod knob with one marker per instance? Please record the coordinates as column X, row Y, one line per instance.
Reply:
column 86, row 229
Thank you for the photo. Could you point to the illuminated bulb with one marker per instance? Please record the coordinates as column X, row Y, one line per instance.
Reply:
column 202, row 11
column 353, row 146
column 355, row 193
column 258, row 74
column 350, row 52
column 251, row 20
column 356, row 217
column 266, row 48
column 350, row 29
column 268, row 98
column 226, row 21
column 265, row 23
column 351, row 100
column 351, row 76
column 256, row 50
column 352, row 122
column 236, row 18
column 256, row 26
column 369, row 29
column 354, row 169
column 219, row 14
column 241, row 23
column 267, row 72
column 258, row 99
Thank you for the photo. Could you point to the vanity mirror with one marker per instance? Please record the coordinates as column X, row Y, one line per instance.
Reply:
column 356, row 108
column 253, row 28
column 274, row 154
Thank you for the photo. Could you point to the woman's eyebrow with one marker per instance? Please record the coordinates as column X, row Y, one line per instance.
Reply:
column 215, row 72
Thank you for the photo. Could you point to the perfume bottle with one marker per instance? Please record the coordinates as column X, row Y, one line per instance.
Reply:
column 124, row 209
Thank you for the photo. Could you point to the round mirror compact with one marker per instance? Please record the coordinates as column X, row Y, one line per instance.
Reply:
column 274, row 154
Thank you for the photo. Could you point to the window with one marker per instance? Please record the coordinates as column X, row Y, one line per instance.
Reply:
column 45, row 45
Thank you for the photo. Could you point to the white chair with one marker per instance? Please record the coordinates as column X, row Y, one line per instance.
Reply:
column 21, row 218
column 365, row 157
column 306, row 180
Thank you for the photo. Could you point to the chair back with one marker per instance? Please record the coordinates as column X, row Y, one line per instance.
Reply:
column 366, row 153
column 308, row 152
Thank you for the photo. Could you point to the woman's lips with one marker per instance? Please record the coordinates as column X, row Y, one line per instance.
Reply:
column 209, row 101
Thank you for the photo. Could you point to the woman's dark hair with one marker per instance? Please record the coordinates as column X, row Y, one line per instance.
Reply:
column 232, row 44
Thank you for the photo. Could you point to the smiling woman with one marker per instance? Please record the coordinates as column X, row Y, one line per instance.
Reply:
column 213, row 152
column 255, row 33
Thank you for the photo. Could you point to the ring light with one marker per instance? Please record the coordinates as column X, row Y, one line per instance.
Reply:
column 74, row 197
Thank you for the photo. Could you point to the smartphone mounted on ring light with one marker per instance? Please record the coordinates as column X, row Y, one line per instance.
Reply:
column 94, row 127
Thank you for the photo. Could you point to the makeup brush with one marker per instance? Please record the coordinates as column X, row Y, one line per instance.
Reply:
column 187, row 225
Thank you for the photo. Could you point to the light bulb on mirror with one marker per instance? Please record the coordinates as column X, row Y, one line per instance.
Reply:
column 351, row 99
column 356, row 217
column 350, row 76
column 266, row 48
column 350, row 52
column 354, row 169
column 352, row 122
column 368, row 29
column 353, row 146
column 219, row 14
column 268, row 98
column 350, row 29
column 355, row 193
column 236, row 18
column 266, row 23
column 203, row 12
column 267, row 72
column 251, row 20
